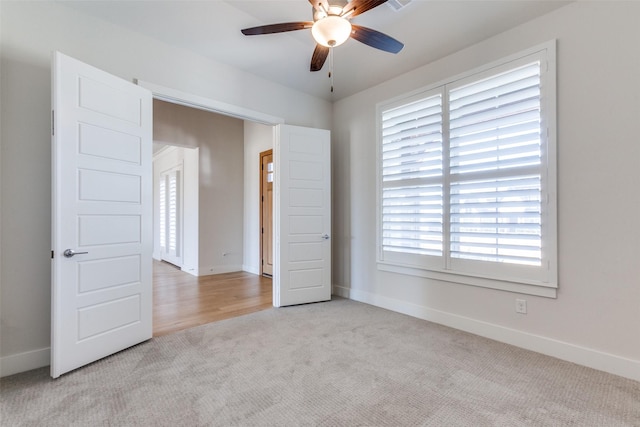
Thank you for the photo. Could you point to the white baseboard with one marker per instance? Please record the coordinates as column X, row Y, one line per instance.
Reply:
column 595, row 359
column 23, row 362
column 219, row 269
column 190, row 269
column 591, row 358
column 251, row 269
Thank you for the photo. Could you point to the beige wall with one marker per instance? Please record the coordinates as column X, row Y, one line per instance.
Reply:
column 595, row 319
column 220, row 140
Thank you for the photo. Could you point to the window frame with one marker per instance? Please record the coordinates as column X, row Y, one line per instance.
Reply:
column 545, row 281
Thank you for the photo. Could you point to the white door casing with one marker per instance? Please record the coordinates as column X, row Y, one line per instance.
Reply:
column 302, row 215
column 101, row 205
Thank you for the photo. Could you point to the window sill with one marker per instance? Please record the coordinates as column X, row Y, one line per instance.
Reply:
column 521, row 288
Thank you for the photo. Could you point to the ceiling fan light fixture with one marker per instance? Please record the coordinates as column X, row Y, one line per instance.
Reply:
column 331, row 31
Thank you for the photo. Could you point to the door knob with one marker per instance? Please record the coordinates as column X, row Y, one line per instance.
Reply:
column 325, row 237
column 70, row 252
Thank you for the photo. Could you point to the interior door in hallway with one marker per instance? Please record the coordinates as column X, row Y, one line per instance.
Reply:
column 101, row 215
column 266, row 212
column 302, row 215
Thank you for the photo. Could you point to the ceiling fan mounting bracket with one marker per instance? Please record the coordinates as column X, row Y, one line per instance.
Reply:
column 325, row 9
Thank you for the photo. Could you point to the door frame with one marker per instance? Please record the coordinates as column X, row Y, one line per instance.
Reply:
column 179, row 170
column 202, row 103
column 174, row 96
column 262, row 172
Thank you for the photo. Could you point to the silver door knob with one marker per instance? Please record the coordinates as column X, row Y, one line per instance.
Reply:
column 325, row 237
column 70, row 252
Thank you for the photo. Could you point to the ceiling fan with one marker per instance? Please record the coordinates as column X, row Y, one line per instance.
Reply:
column 331, row 27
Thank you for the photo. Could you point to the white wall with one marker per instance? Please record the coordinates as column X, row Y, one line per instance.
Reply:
column 30, row 31
column 257, row 138
column 595, row 319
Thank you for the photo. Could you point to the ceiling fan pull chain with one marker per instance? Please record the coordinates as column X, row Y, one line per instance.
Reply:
column 331, row 67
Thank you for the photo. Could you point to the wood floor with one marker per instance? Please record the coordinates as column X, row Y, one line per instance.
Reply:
column 182, row 301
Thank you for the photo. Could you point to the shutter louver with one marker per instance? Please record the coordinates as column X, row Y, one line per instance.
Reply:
column 495, row 161
column 412, row 220
column 412, row 178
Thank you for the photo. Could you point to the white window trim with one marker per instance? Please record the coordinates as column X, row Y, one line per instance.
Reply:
column 546, row 288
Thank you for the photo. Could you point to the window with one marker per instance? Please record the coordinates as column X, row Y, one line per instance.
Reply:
column 467, row 178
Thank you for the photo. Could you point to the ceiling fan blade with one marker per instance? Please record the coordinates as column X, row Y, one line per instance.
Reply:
column 319, row 56
column 375, row 39
column 277, row 28
column 356, row 7
column 320, row 5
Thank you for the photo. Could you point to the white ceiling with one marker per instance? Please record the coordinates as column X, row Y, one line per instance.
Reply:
column 430, row 29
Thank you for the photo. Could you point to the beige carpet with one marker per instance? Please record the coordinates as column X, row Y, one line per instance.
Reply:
column 339, row 363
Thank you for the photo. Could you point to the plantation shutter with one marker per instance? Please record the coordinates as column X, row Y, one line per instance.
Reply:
column 173, row 212
column 169, row 213
column 412, row 190
column 467, row 178
column 495, row 168
column 163, row 213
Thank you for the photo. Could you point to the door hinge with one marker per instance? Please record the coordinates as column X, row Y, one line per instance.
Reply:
column 262, row 230
column 53, row 123
column 51, row 254
column 262, row 198
column 262, row 262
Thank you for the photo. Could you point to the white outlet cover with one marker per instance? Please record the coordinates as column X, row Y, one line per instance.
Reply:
column 521, row 306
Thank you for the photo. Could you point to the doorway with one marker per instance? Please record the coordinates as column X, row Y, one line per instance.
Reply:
column 302, row 199
column 175, row 205
column 170, row 215
column 266, row 213
column 202, row 203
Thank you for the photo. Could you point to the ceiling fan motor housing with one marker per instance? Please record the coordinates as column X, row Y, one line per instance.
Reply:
column 331, row 31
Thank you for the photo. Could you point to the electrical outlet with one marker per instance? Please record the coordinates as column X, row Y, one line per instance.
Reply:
column 521, row 306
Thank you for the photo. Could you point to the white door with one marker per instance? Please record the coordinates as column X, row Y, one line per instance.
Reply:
column 170, row 216
column 102, row 212
column 302, row 216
